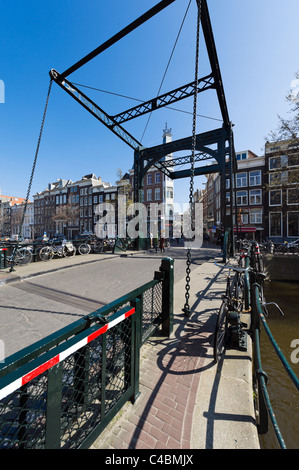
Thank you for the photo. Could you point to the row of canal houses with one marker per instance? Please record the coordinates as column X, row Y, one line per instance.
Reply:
column 266, row 193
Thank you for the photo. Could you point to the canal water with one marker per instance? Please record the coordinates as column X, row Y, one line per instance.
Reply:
column 283, row 394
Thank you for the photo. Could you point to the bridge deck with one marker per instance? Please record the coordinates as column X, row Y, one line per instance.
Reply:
column 186, row 400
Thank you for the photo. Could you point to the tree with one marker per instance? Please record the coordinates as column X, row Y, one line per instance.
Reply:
column 288, row 129
column 66, row 214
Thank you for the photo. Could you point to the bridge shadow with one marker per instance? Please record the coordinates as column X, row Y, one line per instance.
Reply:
column 188, row 353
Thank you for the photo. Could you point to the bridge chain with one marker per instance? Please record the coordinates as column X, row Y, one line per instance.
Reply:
column 187, row 309
column 31, row 179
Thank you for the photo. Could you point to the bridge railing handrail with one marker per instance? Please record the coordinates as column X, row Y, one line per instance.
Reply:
column 84, row 373
column 254, row 276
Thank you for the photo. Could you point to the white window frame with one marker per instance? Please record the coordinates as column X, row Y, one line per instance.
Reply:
column 283, row 162
column 290, row 212
column 244, row 218
column 157, row 194
column 257, row 178
column 283, row 178
column 274, row 205
column 242, row 203
column 149, row 178
column 294, row 166
column 256, row 216
column 292, row 203
column 241, row 176
column 255, row 197
column 149, row 195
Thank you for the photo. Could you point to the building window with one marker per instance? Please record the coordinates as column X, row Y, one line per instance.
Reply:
column 256, row 216
column 169, row 193
column 242, row 198
column 227, row 183
column 275, row 197
column 275, row 224
column 255, row 196
column 293, row 160
column 293, row 196
column 95, row 199
column 150, row 178
column 278, row 162
column 244, row 218
column 278, row 178
column 293, row 177
column 241, row 180
column 157, row 194
column 149, row 195
column 157, row 177
column 293, row 224
column 255, row 178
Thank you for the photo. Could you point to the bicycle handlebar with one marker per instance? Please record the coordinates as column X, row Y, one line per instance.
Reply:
column 241, row 270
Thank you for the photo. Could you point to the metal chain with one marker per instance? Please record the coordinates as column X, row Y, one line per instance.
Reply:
column 31, row 179
column 187, row 309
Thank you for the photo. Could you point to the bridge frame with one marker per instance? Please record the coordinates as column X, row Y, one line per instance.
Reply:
column 144, row 158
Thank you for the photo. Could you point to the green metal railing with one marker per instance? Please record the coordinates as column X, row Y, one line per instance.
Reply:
column 260, row 378
column 62, row 392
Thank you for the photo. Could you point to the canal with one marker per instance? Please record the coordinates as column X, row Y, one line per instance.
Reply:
column 283, row 394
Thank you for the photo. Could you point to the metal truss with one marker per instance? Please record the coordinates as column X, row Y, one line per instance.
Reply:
column 166, row 99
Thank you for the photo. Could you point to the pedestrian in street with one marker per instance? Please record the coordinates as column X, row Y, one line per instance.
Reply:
column 162, row 245
column 151, row 237
column 156, row 243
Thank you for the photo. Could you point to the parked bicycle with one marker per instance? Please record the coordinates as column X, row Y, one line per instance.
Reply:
column 20, row 255
column 234, row 302
column 66, row 249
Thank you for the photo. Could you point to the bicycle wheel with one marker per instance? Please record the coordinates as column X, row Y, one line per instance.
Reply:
column 220, row 334
column 23, row 256
column 46, row 253
column 84, row 249
column 237, row 293
column 68, row 250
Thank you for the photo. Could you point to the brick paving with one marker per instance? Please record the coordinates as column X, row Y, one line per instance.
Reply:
column 170, row 372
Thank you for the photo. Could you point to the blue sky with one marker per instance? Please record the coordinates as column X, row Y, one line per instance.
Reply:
column 257, row 44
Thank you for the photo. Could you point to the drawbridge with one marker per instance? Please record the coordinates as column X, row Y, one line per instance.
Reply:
column 216, row 145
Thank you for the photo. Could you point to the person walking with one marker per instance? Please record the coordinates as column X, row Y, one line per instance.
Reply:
column 162, row 244
column 155, row 240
